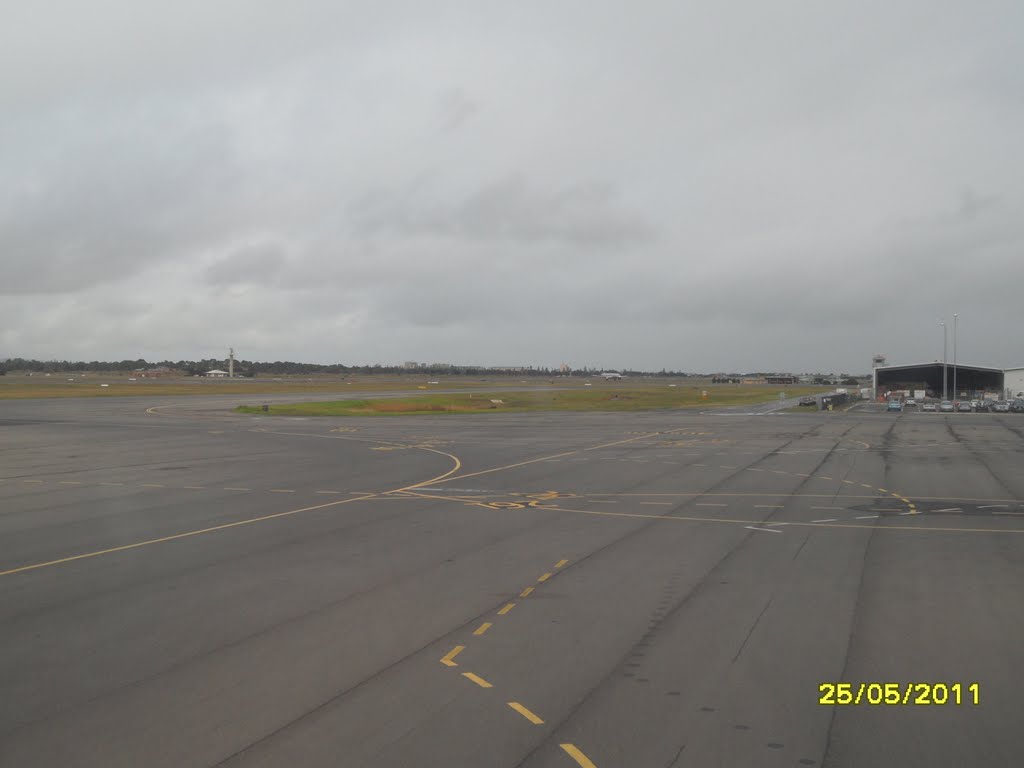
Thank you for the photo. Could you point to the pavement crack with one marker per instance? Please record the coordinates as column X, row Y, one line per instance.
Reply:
column 752, row 628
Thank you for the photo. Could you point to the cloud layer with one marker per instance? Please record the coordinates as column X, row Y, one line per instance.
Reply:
column 700, row 187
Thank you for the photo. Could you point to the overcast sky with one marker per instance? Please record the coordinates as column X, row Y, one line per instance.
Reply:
column 701, row 186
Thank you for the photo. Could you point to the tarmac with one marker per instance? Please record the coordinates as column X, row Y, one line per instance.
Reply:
column 185, row 586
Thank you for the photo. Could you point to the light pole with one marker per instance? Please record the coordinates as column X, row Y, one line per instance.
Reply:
column 943, row 324
column 955, row 390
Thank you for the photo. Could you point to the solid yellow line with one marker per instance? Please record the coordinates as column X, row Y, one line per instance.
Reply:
column 447, row 659
column 525, row 713
column 544, row 458
column 508, row 607
column 578, row 756
column 931, row 529
column 175, row 536
column 477, row 679
column 560, row 563
column 526, row 592
column 482, row 628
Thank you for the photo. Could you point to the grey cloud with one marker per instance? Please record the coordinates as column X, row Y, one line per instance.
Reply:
column 252, row 263
column 511, row 209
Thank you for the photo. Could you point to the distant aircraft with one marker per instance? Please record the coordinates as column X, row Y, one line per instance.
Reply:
column 611, row 375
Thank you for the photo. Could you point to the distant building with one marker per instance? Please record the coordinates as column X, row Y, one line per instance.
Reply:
column 565, row 368
column 216, row 373
column 410, row 365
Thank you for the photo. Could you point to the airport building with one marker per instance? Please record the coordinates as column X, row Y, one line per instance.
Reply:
column 958, row 382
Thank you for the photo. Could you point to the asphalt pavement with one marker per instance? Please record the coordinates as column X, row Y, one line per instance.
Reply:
column 185, row 586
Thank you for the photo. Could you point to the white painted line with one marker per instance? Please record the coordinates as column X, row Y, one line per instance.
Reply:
column 868, row 517
column 949, row 509
column 992, row 506
column 828, row 507
column 826, row 520
column 908, row 513
column 709, row 504
column 765, row 530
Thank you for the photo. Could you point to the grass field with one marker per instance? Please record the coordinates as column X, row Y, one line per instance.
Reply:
column 603, row 397
column 69, row 385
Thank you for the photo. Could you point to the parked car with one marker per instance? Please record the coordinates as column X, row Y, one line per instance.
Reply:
column 928, row 407
column 1001, row 406
column 981, row 406
column 910, row 401
column 1017, row 406
column 963, row 406
column 946, row 406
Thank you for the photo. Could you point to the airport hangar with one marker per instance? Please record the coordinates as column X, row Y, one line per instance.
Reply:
column 970, row 379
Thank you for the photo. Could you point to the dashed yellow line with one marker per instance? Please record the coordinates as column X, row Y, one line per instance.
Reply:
column 526, row 592
column 525, row 713
column 448, row 658
column 477, row 679
column 482, row 628
column 506, row 608
column 560, row 563
column 574, row 752
column 544, row 578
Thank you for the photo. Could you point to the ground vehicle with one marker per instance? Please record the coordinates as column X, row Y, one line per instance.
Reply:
column 963, row 406
column 1017, row 406
column 946, row 406
column 928, row 407
column 1001, row 406
column 894, row 404
column 910, row 401
column 982, row 405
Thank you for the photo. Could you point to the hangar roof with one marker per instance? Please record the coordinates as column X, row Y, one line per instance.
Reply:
column 939, row 362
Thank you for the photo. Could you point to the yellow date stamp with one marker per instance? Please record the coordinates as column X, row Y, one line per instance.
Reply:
column 899, row 694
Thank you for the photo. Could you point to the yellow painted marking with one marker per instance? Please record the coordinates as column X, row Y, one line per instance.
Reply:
column 111, row 483
column 865, row 485
column 280, row 490
column 768, row 506
column 544, row 578
column 657, row 503
column 883, row 490
column 328, row 491
column 506, row 608
column 675, row 518
column 849, row 482
column 448, row 658
column 543, row 458
column 574, row 752
column 560, row 563
column 176, row 536
column 710, row 504
column 69, row 482
column 482, row 628
column 525, row 713
column 824, row 477
column 237, row 489
column 151, row 485
column 477, row 679
column 526, row 592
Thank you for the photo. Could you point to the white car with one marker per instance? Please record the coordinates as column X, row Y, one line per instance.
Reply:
column 928, row 407
column 910, row 401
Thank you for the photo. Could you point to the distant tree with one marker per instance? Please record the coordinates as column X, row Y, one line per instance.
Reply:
column 851, row 381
